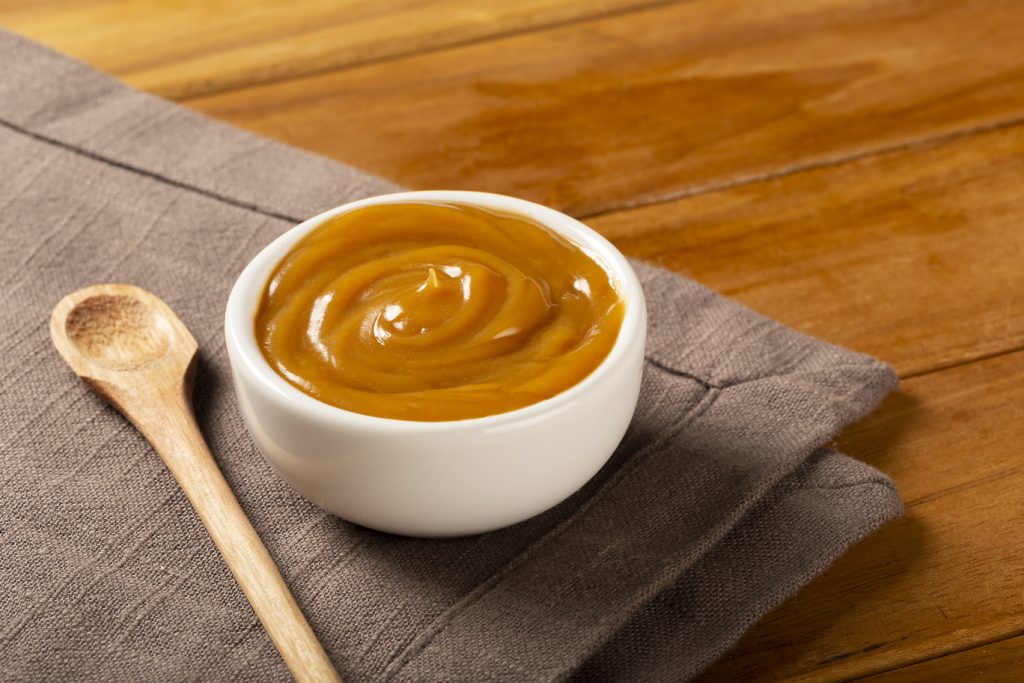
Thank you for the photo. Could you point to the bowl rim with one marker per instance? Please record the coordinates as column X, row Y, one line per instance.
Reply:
column 244, row 298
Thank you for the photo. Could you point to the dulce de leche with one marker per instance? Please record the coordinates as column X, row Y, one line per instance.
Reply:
column 429, row 312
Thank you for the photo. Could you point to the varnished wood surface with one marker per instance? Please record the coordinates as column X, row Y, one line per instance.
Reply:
column 916, row 257
column 660, row 103
column 852, row 168
column 195, row 47
column 1000, row 662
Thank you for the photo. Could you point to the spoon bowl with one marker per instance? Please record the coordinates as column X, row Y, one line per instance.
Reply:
column 123, row 336
column 118, row 332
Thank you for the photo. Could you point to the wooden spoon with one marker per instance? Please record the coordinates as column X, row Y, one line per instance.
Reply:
column 136, row 353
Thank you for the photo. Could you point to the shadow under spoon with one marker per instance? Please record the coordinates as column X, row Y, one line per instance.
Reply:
column 130, row 347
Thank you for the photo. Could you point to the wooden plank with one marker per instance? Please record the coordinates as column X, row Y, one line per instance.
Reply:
column 916, row 257
column 943, row 578
column 926, row 245
column 1001, row 662
column 659, row 103
column 193, row 47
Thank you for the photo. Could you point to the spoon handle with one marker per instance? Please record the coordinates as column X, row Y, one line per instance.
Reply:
column 171, row 429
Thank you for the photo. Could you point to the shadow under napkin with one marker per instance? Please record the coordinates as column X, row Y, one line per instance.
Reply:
column 719, row 503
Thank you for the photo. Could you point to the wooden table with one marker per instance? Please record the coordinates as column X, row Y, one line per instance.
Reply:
column 853, row 168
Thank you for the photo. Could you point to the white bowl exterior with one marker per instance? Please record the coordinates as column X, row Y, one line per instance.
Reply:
column 439, row 478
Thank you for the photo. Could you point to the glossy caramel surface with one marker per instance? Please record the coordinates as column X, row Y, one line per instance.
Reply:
column 430, row 312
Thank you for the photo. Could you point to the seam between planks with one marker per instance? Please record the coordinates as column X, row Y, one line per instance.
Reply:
column 210, row 91
column 984, row 642
column 910, row 145
column 941, row 367
column 1016, row 626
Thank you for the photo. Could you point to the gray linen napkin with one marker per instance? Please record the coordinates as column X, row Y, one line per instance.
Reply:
column 720, row 502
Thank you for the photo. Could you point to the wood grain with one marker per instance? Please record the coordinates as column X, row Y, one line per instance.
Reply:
column 943, row 578
column 135, row 352
column 1000, row 662
column 915, row 257
column 193, row 47
column 659, row 103
column 827, row 163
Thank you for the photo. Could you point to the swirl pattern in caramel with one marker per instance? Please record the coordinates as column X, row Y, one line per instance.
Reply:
column 429, row 312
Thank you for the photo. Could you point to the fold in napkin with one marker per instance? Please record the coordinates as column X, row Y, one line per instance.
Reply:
column 720, row 502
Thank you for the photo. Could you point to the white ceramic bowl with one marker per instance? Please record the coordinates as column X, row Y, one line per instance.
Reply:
column 439, row 478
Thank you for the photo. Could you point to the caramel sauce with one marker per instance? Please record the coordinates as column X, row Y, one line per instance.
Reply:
column 428, row 311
